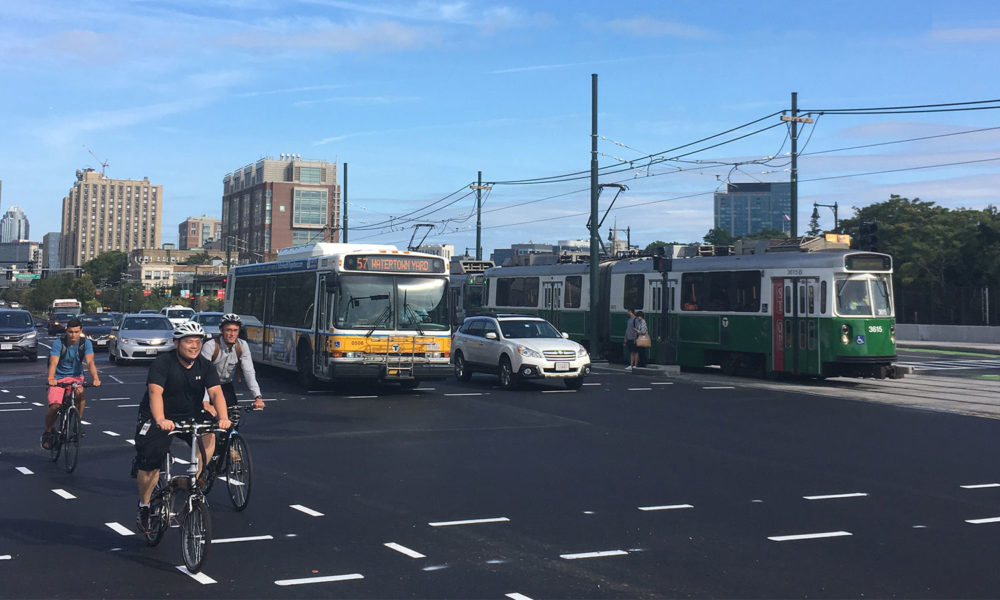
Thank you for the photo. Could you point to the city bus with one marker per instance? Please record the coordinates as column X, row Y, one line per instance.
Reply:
column 65, row 306
column 335, row 312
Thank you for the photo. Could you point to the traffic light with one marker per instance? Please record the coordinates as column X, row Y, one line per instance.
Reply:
column 10, row 274
column 868, row 235
column 31, row 266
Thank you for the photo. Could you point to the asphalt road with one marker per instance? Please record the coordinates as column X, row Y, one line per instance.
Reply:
column 632, row 487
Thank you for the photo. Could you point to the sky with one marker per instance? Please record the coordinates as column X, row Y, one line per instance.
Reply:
column 418, row 97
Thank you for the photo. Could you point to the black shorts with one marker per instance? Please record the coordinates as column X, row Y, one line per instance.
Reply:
column 151, row 445
column 229, row 391
column 630, row 344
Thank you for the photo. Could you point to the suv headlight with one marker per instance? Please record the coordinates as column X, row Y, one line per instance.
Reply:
column 526, row 351
column 582, row 352
column 30, row 335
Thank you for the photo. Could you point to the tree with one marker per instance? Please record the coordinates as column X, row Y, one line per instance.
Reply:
column 108, row 266
column 202, row 258
column 814, row 228
column 719, row 237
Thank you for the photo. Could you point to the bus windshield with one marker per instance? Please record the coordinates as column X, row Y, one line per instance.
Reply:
column 385, row 303
column 864, row 295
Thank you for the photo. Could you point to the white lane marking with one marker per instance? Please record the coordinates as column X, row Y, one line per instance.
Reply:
column 25, row 471
column 226, row 479
column 639, row 389
column 199, row 577
column 666, row 507
column 63, row 493
column 305, row 580
column 252, row 538
column 662, row 383
column 469, row 522
column 111, row 433
column 808, row 536
column 361, row 397
column 131, row 442
column 5, row 391
column 127, row 405
column 109, row 399
column 468, row 394
column 20, row 397
column 82, row 422
column 982, row 521
column 14, row 409
column 719, row 387
column 5, row 557
column 181, row 461
column 558, row 391
column 404, row 550
column 11, row 402
column 837, row 496
column 120, row 529
column 38, row 404
column 591, row 384
column 516, row 596
column 307, row 510
column 979, row 486
column 423, row 389
column 116, row 379
column 601, row 554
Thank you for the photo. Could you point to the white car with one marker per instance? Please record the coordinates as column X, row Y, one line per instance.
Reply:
column 140, row 337
column 177, row 314
column 517, row 348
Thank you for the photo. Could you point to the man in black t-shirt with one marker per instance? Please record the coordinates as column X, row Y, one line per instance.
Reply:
column 176, row 385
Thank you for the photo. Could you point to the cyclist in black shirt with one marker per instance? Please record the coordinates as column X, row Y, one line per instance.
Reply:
column 176, row 385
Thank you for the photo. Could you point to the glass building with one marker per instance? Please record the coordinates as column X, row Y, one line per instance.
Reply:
column 747, row 208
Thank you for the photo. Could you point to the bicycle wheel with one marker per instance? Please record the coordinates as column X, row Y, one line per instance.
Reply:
column 71, row 443
column 239, row 472
column 159, row 514
column 216, row 465
column 58, row 431
column 196, row 535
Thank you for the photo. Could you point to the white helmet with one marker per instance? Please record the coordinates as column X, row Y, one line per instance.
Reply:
column 230, row 318
column 188, row 329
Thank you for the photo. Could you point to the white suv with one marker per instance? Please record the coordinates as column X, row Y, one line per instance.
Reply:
column 177, row 314
column 517, row 347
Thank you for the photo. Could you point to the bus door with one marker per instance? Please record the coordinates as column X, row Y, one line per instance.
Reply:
column 321, row 356
column 552, row 301
column 267, row 339
column 795, row 325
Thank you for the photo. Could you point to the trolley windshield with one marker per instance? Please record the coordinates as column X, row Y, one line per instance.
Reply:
column 864, row 295
column 380, row 302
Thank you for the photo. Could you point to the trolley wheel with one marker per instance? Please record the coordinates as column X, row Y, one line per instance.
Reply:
column 196, row 536
column 239, row 472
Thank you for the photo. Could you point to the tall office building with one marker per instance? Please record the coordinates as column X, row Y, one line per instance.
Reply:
column 50, row 250
column 13, row 226
column 273, row 204
column 101, row 214
column 196, row 232
column 747, row 208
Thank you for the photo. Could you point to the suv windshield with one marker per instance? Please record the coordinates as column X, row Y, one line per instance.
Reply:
column 180, row 313
column 97, row 321
column 151, row 322
column 208, row 319
column 403, row 302
column 14, row 320
column 525, row 329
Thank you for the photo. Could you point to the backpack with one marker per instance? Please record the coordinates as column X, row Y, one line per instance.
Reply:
column 239, row 355
column 81, row 347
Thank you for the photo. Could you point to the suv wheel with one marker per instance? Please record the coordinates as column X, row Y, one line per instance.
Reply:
column 462, row 372
column 508, row 379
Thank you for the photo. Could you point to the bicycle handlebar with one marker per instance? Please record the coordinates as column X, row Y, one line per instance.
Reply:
column 64, row 384
column 192, row 427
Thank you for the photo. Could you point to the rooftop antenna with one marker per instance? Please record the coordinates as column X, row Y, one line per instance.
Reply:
column 103, row 163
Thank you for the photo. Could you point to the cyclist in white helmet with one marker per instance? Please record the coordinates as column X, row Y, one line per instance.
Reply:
column 227, row 354
column 175, row 386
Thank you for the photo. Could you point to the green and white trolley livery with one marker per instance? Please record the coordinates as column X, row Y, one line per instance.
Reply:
column 824, row 313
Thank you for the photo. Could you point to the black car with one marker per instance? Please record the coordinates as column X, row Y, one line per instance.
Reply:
column 17, row 334
column 97, row 327
column 57, row 322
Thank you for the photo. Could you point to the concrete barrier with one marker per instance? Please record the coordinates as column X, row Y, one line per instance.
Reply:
column 947, row 333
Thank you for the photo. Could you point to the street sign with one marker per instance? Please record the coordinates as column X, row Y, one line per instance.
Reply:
column 27, row 276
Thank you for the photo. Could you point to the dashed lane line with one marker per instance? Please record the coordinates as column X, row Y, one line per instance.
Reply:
column 328, row 578
column 719, row 387
column 25, row 471
column 111, row 433
column 63, row 494
column 517, row 596
column 20, row 397
column 666, row 507
column 558, row 391
column 404, row 550
column 640, row 389
column 837, row 496
column 808, row 536
column 306, row 509
column 14, row 409
column 979, row 486
column 361, row 397
column 464, row 394
column 15, row 402
column 601, row 554
column 120, row 529
column 983, row 521
column 38, row 404
column 469, row 522
column 252, row 538
column 128, row 405
column 199, row 577
column 5, row 557
column 116, row 379
column 662, row 383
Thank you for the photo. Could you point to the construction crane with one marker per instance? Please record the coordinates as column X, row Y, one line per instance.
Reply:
column 103, row 163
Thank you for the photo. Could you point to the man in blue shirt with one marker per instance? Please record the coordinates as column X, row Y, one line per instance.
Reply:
column 66, row 360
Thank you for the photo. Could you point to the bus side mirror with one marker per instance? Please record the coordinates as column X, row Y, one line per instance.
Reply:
column 331, row 284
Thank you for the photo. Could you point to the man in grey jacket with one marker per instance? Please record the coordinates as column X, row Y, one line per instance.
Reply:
column 229, row 352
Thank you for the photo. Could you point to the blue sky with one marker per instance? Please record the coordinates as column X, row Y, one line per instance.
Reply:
column 419, row 96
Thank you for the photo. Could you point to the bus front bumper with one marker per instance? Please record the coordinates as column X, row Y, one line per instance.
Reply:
column 379, row 370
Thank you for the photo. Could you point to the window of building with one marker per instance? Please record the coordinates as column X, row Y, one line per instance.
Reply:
column 304, row 237
column 309, row 208
column 309, row 175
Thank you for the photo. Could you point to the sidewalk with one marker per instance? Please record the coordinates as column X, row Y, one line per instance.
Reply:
column 950, row 346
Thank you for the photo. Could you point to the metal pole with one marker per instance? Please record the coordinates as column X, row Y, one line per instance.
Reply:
column 345, row 203
column 794, row 217
column 595, row 241
column 479, row 216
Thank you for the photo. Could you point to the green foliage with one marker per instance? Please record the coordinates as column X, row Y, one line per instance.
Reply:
column 201, row 258
column 719, row 237
column 814, row 228
column 107, row 267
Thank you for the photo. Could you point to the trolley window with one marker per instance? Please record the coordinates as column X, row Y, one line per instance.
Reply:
column 864, row 295
column 517, row 291
column 724, row 291
column 635, row 285
column 573, row 291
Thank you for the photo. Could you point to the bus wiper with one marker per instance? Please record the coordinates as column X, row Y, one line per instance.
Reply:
column 416, row 317
column 386, row 313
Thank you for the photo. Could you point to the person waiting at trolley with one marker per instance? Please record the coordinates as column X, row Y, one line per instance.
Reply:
column 638, row 353
column 227, row 354
column 66, row 359
column 630, row 336
column 176, row 383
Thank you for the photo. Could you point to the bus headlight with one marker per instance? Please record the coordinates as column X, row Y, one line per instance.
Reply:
column 433, row 355
column 845, row 334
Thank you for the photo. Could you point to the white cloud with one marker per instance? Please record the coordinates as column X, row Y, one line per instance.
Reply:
column 382, row 36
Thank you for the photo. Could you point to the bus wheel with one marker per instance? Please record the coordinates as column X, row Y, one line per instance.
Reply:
column 304, row 366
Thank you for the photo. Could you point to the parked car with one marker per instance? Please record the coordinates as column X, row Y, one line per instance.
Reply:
column 209, row 322
column 97, row 327
column 18, row 337
column 177, row 314
column 517, row 348
column 140, row 337
column 57, row 323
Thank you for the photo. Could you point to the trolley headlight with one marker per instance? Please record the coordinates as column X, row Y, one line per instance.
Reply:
column 845, row 334
column 526, row 351
column 892, row 333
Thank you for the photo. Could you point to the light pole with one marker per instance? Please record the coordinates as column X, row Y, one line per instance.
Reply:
column 815, row 215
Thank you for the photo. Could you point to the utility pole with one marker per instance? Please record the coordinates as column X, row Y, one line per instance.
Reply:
column 345, row 203
column 595, row 240
column 795, row 120
column 479, row 187
column 836, row 220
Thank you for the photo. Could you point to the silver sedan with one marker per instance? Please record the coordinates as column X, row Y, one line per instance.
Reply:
column 140, row 337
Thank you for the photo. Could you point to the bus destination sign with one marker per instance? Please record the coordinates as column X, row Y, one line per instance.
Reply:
column 394, row 263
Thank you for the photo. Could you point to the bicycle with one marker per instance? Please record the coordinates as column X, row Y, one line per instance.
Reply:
column 66, row 432
column 192, row 515
column 231, row 462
